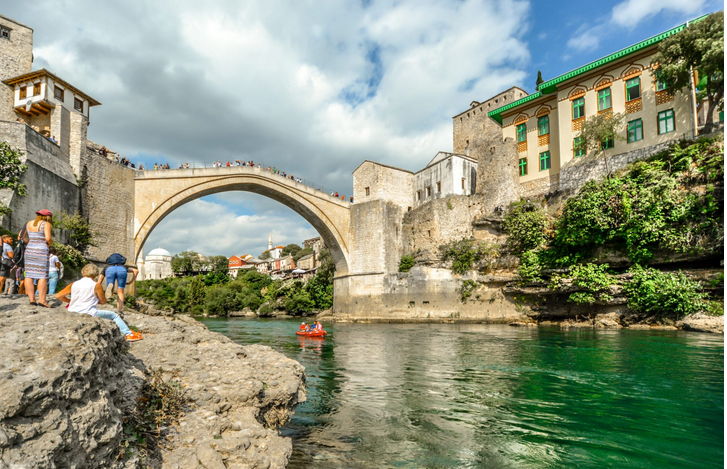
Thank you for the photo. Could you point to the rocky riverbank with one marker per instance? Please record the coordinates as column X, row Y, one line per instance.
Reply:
column 68, row 382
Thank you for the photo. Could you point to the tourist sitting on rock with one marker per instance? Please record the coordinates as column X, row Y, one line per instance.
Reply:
column 115, row 271
column 86, row 294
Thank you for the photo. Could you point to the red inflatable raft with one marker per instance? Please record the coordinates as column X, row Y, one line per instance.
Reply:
column 312, row 333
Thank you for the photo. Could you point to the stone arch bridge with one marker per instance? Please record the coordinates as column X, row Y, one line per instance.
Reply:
column 158, row 193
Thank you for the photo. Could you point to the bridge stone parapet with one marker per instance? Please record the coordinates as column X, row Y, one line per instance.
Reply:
column 159, row 192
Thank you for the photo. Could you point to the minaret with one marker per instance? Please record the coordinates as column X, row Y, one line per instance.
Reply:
column 270, row 241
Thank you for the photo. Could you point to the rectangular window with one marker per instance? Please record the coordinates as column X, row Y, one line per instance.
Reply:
column 77, row 104
column 439, row 187
column 36, row 89
column 545, row 160
column 429, row 191
column 660, row 84
column 633, row 88
column 579, row 148
column 543, row 125
column 419, row 195
column 523, row 166
column 579, row 108
column 23, row 92
column 635, row 131
column 368, row 191
column 463, row 183
column 521, row 132
column 58, row 93
column 666, row 121
column 4, row 33
column 606, row 144
column 604, row 99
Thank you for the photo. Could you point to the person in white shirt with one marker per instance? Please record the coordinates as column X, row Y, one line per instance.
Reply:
column 86, row 294
column 7, row 259
column 54, row 265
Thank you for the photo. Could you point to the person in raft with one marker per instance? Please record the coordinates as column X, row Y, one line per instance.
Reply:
column 303, row 327
column 86, row 294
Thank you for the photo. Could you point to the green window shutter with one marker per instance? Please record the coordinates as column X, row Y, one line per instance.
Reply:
column 543, row 125
column 578, row 149
column 633, row 88
column 579, row 108
column 604, row 99
column 606, row 144
column 523, row 166
column 522, row 133
column 666, row 121
column 545, row 160
column 635, row 130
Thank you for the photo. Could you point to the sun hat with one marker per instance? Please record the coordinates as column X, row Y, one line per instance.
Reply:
column 44, row 212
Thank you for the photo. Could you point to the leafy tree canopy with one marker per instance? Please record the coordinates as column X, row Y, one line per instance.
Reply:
column 188, row 261
column 699, row 47
column 598, row 129
column 291, row 249
column 265, row 255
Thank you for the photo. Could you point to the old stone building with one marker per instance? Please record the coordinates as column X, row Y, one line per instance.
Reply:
column 46, row 118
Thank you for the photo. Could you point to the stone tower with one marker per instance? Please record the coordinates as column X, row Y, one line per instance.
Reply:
column 497, row 171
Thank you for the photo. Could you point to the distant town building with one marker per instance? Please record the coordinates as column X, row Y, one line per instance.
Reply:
column 156, row 265
column 236, row 264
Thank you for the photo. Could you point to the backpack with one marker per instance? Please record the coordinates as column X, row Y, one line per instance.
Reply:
column 116, row 259
column 19, row 251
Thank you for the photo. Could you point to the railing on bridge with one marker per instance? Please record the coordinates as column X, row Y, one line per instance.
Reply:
column 306, row 182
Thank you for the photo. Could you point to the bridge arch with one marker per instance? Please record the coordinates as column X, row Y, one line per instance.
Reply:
column 158, row 193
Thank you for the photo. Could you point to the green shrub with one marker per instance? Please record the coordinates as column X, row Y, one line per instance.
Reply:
column 320, row 291
column 593, row 278
column 299, row 302
column 663, row 294
column 525, row 225
column 465, row 291
column 406, row 263
column 220, row 300
column 465, row 253
column 530, row 267
column 71, row 257
column 80, row 230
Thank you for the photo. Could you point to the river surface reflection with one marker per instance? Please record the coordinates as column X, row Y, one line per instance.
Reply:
column 491, row 396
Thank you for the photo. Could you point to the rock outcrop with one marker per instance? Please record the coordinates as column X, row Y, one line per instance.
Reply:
column 67, row 381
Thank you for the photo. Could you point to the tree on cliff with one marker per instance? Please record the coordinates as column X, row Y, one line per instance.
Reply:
column 11, row 169
column 698, row 47
column 598, row 134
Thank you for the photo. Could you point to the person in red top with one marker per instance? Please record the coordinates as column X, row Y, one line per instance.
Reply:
column 302, row 326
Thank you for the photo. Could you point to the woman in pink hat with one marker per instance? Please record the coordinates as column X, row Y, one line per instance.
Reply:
column 39, row 239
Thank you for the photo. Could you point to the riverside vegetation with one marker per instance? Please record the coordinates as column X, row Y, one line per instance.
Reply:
column 215, row 293
column 665, row 209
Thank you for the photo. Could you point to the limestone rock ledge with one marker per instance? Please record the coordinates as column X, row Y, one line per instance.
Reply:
column 67, row 380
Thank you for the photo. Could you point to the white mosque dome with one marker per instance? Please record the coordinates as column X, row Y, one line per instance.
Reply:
column 159, row 252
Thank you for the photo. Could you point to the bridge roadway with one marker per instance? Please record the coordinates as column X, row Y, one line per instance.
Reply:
column 160, row 192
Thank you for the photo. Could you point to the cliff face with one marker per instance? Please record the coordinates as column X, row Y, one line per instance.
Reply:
column 67, row 381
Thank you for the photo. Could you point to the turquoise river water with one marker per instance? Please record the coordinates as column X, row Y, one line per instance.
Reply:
column 491, row 396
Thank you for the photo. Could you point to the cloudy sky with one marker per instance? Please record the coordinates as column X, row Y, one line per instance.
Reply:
column 313, row 88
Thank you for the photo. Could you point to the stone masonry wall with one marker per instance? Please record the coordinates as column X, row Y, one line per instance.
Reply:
column 16, row 54
column 375, row 237
column 440, row 221
column 384, row 183
column 108, row 204
column 49, row 180
column 470, row 125
column 497, row 176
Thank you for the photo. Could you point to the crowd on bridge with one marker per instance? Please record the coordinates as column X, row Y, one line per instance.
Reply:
column 251, row 164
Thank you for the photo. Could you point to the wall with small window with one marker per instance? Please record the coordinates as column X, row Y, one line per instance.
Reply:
column 374, row 181
column 447, row 174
